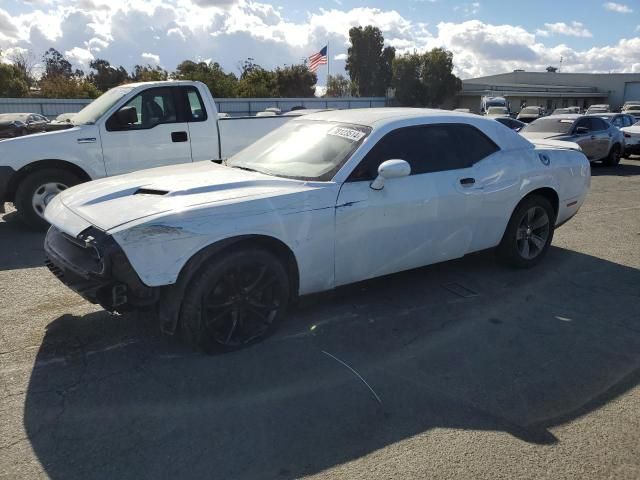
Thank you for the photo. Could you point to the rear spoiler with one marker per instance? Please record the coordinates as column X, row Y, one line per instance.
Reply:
column 556, row 144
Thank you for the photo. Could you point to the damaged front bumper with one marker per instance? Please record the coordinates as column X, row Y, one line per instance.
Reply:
column 93, row 265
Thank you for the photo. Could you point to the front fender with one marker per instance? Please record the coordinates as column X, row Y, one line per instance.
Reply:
column 79, row 146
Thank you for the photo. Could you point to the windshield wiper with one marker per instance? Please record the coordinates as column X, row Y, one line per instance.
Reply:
column 243, row 168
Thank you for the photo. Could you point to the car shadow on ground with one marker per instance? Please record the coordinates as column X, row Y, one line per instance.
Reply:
column 462, row 345
column 625, row 168
column 21, row 246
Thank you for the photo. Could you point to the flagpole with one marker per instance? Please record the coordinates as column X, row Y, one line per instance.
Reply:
column 328, row 62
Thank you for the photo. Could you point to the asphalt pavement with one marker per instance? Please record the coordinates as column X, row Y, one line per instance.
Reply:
column 466, row 369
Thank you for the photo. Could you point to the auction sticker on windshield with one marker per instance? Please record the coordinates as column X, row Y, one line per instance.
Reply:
column 348, row 133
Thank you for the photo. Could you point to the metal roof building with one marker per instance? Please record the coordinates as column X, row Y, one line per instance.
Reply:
column 552, row 90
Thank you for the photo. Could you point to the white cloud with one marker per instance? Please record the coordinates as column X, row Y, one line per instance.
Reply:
column 134, row 31
column 617, row 7
column 574, row 29
column 151, row 58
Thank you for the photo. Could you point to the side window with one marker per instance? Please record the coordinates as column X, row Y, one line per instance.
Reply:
column 628, row 121
column 154, row 106
column 429, row 148
column 618, row 121
column 195, row 110
column 597, row 124
column 583, row 122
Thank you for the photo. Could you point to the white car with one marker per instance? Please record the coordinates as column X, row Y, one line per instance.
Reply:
column 220, row 250
column 631, row 139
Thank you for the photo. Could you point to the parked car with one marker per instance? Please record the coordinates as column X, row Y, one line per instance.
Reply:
column 599, row 108
column 631, row 139
column 632, row 109
column 598, row 139
column 131, row 127
column 564, row 110
column 497, row 112
column 220, row 250
column 462, row 110
column 61, row 122
column 18, row 124
column 512, row 123
column 529, row 114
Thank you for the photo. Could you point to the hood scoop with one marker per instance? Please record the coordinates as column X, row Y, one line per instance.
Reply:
column 150, row 191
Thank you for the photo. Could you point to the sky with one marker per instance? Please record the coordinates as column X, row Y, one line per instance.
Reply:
column 486, row 36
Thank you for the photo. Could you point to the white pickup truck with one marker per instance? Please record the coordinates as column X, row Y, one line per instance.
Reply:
column 131, row 127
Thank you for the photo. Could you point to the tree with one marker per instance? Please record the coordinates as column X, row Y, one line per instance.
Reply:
column 25, row 61
column 12, row 83
column 369, row 63
column 425, row 79
column 148, row 73
column 55, row 64
column 256, row 82
column 296, row 81
column 221, row 84
column 338, row 86
column 106, row 76
column 60, row 86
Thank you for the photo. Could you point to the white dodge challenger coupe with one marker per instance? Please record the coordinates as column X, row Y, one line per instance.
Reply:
column 219, row 251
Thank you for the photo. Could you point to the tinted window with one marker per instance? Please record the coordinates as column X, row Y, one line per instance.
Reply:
column 430, row 148
column 584, row 122
column 628, row 121
column 154, row 106
column 598, row 124
column 618, row 121
column 195, row 110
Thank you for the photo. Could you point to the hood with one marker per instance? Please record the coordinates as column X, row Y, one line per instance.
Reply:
column 112, row 202
column 540, row 135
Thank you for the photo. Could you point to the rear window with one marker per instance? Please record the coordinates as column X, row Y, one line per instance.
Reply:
column 553, row 125
column 530, row 110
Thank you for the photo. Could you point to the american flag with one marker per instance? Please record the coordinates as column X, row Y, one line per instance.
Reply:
column 318, row 59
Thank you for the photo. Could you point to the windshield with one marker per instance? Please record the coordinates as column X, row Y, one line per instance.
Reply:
column 635, row 108
column 302, row 149
column 552, row 125
column 494, row 110
column 530, row 110
column 92, row 112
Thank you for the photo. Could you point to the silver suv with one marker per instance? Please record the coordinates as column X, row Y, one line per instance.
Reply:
column 598, row 139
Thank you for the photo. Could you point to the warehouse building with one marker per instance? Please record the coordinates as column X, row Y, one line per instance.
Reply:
column 551, row 90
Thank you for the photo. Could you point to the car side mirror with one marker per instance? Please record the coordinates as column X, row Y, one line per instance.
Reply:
column 582, row 130
column 390, row 169
column 127, row 116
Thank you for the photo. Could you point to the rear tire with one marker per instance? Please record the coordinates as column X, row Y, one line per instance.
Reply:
column 613, row 159
column 36, row 190
column 529, row 233
column 235, row 300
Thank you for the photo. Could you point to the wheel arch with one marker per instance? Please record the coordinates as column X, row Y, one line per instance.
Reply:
column 23, row 172
column 170, row 303
column 546, row 192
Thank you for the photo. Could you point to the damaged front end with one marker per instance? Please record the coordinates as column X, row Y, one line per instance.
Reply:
column 93, row 265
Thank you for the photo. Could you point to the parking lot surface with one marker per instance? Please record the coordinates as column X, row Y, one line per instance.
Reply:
column 465, row 369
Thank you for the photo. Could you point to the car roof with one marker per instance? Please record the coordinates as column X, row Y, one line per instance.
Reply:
column 570, row 116
column 378, row 116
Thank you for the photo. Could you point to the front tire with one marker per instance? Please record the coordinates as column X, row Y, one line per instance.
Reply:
column 236, row 299
column 613, row 159
column 36, row 191
column 529, row 233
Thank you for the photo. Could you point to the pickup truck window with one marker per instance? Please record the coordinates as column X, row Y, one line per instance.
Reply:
column 303, row 150
column 195, row 108
column 92, row 112
column 154, row 106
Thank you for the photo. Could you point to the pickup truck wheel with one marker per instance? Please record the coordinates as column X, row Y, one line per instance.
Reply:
column 529, row 233
column 36, row 191
column 613, row 159
column 235, row 300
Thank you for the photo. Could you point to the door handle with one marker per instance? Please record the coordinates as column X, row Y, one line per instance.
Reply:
column 593, row 137
column 179, row 137
column 467, row 181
